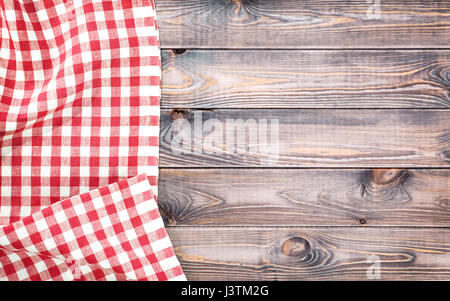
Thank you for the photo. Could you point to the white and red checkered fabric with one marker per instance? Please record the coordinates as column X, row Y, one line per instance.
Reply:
column 80, row 91
column 111, row 233
column 79, row 109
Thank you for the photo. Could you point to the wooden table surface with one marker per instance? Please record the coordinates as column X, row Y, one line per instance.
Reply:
column 364, row 122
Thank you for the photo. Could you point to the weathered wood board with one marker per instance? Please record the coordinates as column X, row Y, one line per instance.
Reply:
column 362, row 171
column 303, row 24
column 305, row 197
column 306, row 79
column 311, row 253
column 318, row 138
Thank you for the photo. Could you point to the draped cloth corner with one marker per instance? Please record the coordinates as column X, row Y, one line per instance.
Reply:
column 79, row 140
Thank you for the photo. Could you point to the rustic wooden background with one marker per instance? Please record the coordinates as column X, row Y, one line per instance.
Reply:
column 365, row 138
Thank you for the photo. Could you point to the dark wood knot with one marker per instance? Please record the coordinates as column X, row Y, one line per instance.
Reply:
column 166, row 215
column 443, row 202
column 295, row 247
column 384, row 176
column 178, row 51
column 446, row 154
column 383, row 184
column 180, row 113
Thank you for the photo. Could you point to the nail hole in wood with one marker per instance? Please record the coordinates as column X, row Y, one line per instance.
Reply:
column 362, row 221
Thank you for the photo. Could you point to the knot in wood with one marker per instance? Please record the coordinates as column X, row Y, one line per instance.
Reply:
column 295, row 247
column 446, row 153
column 178, row 51
column 443, row 202
column 385, row 176
column 180, row 113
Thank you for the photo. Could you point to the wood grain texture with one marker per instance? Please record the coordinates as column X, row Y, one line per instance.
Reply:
column 306, row 79
column 316, row 138
column 302, row 24
column 277, row 217
column 306, row 197
column 282, row 253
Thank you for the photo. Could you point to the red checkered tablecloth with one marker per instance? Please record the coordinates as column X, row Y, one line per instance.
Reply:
column 79, row 110
column 111, row 233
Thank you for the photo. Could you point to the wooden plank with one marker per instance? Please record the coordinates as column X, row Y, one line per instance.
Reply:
column 306, row 79
column 278, row 253
column 303, row 24
column 305, row 197
column 308, row 138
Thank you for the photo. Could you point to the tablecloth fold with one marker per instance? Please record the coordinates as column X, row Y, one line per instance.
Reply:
column 111, row 233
